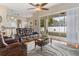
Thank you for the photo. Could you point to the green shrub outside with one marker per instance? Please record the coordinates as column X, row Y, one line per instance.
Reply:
column 61, row 34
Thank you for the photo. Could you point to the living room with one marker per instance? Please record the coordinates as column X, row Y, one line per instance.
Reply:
column 21, row 34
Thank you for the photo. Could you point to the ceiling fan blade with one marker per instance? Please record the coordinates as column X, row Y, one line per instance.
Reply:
column 37, row 4
column 43, row 4
column 44, row 8
column 32, row 4
column 30, row 8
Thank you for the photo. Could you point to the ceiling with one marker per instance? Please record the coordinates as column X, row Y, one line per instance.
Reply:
column 21, row 8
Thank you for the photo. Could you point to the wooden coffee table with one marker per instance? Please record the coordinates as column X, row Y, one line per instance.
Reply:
column 41, row 42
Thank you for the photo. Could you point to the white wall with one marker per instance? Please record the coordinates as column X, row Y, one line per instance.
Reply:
column 3, row 13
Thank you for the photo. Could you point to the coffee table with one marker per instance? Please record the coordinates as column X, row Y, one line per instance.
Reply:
column 41, row 42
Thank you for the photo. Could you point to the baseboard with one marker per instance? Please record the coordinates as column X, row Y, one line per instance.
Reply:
column 73, row 45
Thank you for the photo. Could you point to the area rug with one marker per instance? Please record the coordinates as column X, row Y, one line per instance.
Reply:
column 55, row 49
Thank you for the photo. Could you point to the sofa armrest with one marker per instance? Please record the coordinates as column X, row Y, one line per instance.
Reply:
column 13, row 45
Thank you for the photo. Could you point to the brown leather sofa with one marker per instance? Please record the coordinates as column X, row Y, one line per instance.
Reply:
column 14, row 48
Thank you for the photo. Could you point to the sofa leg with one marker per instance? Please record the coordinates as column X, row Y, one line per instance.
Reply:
column 41, row 48
column 35, row 44
column 51, row 41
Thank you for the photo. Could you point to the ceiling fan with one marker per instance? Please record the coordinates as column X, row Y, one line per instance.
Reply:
column 38, row 7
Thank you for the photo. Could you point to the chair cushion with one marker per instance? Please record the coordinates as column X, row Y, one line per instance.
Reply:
column 10, row 41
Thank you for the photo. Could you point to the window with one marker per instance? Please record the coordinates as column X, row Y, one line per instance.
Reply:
column 57, row 25
column 12, row 23
column 42, row 23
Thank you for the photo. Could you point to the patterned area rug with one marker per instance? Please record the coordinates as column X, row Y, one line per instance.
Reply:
column 56, row 49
